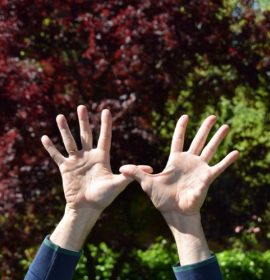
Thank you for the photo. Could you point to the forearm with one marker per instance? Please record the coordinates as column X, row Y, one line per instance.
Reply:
column 59, row 254
column 189, row 237
column 74, row 228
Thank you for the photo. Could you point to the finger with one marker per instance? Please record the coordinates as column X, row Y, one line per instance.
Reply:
column 133, row 171
column 51, row 149
column 67, row 137
column 223, row 164
column 85, row 129
column 146, row 168
column 201, row 136
column 104, row 141
column 179, row 134
column 210, row 149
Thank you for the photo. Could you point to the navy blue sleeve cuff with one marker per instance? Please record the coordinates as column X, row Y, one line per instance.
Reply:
column 53, row 262
column 204, row 270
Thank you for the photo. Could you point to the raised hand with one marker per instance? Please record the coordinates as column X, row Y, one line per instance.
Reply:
column 179, row 191
column 86, row 174
column 182, row 186
column 88, row 182
column 87, row 178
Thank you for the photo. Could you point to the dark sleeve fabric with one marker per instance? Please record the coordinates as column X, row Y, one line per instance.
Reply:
column 205, row 270
column 53, row 263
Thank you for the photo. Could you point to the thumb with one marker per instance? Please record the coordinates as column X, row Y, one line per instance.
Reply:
column 146, row 168
column 121, row 181
column 135, row 171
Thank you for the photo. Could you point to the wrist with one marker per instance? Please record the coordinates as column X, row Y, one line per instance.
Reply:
column 180, row 223
column 189, row 237
column 81, row 216
column 74, row 228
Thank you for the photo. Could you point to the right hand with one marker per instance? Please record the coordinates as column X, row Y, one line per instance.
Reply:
column 88, row 181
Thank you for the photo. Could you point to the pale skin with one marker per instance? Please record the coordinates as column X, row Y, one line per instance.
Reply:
column 88, row 182
column 179, row 191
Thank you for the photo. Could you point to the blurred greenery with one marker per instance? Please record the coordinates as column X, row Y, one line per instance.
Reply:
column 105, row 259
column 155, row 262
column 264, row 4
column 236, row 264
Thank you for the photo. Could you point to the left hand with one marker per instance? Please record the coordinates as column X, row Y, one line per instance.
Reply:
column 182, row 186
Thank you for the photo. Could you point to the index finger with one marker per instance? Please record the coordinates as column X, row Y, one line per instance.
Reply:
column 179, row 134
column 105, row 136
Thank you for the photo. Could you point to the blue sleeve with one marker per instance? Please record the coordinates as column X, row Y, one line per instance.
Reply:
column 205, row 270
column 52, row 263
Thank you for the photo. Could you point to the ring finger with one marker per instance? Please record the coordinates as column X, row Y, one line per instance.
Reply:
column 210, row 149
column 66, row 135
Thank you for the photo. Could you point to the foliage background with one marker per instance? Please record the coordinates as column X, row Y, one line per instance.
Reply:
column 149, row 62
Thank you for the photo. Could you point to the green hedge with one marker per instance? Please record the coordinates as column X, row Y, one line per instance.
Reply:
column 156, row 261
column 251, row 265
column 153, row 263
